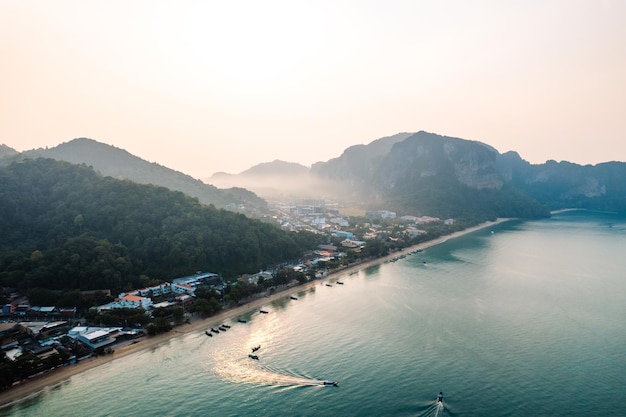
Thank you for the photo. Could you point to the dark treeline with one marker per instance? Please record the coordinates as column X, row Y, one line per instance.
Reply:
column 64, row 227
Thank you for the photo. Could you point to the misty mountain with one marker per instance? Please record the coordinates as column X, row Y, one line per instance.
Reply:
column 565, row 184
column 425, row 173
column 278, row 179
column 118, row 163
column 357, row 162
column 6, row 151
column 428, row 174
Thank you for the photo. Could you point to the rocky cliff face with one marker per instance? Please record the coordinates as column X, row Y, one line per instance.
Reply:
column 426, row 155
column 413, row 158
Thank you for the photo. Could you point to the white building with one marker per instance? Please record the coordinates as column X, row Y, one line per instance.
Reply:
column 128, row 301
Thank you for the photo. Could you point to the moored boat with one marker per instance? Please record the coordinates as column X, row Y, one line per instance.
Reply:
column 253, row 356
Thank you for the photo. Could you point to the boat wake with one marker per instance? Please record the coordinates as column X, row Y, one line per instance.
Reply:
column 435, row 409
column 252, row 372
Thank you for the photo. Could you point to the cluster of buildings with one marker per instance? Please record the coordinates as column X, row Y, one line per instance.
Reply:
column 46, row 336
column 179, row 291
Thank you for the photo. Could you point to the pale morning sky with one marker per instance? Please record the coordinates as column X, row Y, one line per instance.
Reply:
column 206, row 86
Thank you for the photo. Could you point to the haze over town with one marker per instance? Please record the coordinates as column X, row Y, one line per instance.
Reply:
column 203, row 87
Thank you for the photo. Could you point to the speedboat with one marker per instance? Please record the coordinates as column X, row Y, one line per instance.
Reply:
column 253, row 356
column 330, row 383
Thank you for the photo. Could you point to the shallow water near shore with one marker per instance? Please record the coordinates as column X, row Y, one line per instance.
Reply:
column 522, row 318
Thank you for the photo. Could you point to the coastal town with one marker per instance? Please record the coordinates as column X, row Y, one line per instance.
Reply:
column 38, row 340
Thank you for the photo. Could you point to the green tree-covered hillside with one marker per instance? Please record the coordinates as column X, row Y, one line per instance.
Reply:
column 63, row 227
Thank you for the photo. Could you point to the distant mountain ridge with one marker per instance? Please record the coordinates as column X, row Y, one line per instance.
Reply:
column 6, row 151
column 426, row 173
column 118, row 163
column 277, row 179
column 415, row 173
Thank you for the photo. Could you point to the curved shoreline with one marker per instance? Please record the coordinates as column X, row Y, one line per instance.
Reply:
column 42, row 383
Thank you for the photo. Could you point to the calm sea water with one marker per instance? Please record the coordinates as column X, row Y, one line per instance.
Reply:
column 521, row 319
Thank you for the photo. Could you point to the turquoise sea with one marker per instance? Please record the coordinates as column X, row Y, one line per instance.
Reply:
column 519, row 319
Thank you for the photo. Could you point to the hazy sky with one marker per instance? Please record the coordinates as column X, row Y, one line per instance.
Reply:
column 206, row 86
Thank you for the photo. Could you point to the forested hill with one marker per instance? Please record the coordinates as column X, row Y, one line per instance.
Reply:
column 118, row 163
column 64, row 226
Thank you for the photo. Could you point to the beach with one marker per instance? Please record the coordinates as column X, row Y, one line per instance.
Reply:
column 59, row 376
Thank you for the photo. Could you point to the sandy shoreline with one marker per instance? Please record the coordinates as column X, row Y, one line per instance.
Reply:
column 41, row 383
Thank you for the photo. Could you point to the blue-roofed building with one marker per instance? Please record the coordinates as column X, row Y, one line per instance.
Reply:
column 208, row 278
column 344, row 234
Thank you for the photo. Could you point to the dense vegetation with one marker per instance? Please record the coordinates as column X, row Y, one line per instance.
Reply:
column 64, row 227
column 118, row 163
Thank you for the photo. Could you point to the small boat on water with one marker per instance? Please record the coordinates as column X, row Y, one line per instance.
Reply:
column 340, row 282
column 214, row 330
column 226, row 326
column 330, row 383
column 222, row 328
column 253, row 356
column 293, row 298
column 263, row 311
column 241, row 321
column 208, row 333
column 328, row 285
column 254, row 349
